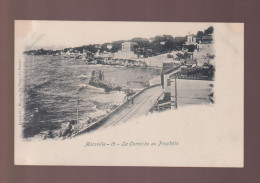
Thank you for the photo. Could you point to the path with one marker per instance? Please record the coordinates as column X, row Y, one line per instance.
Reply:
column 140, row 106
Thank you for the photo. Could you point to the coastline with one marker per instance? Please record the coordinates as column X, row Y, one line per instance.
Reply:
column 99, row 122
column 53, row 101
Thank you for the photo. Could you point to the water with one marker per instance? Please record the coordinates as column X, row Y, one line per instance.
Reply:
column 53, row 83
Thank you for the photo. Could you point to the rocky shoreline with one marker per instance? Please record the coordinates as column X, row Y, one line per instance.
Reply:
column 97, row 80
column 66, row 129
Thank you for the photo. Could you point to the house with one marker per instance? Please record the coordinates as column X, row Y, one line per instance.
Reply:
column 168, row 70
column 106, row 55
column 87, row 55
column 127, row 51
column 109, row 46
column 168, row 81
column 191, row 39
column 184, row 72
column 128, row 46
column 198, row 41
column 190, row 63
column 207, row 39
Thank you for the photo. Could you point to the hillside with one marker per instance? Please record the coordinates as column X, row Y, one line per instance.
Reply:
column 153, row 51
column 156, row 61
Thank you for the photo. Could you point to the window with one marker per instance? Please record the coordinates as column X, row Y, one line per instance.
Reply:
column 168, row 82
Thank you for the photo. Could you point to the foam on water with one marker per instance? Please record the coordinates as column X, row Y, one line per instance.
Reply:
column 55, row 86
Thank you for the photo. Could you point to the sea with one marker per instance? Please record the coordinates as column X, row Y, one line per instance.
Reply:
column 55, row 86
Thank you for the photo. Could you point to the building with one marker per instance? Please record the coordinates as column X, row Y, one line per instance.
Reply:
column 87, row 55
column 106, row 55
column 191, row 39
column 71, row 54
column 109, row 46
column 126, row 51
column 128, row 46
column 195, row 40
column 190, row 63
column 168, row 70
column 207, row 39
column 178, row 80
column 168, row 82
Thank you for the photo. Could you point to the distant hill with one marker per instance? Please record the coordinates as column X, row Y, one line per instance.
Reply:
column 144, row 48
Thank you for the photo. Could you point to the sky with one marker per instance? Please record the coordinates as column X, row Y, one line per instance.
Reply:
column 64, row 34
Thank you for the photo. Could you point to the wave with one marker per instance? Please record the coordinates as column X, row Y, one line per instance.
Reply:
column 43, row 85
column 83, row 76
column 97, row 114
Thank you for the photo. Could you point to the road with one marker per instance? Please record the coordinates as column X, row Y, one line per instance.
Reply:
column 140, row 107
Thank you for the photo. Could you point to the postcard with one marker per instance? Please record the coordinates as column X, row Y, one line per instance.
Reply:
column 107, row 93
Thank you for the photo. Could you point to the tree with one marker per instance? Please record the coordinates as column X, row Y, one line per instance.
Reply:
column 209, row 30
column 191, row 48
column 104, row 48
column 199, row 33
column 116, row 47
column 180, row 56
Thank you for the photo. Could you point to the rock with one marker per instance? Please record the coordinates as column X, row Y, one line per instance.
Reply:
column 97, row 80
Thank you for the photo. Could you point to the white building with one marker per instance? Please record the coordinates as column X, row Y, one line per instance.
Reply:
column 109, row 46
column 168, row 70
column 106, row 55
column 191, row 39
column 128, row 46
column 126, row 51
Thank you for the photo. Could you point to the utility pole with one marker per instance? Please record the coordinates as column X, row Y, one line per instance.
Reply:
column 174, row 92
column 77, row 109
column 33, row 63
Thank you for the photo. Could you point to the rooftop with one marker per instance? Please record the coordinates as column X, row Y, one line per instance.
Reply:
column 169, row 67
column 190, row 62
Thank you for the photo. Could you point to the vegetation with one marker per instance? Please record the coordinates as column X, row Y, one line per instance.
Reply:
column 145, row 47
column 191, row 48
column 40, row 52
column 209, row 30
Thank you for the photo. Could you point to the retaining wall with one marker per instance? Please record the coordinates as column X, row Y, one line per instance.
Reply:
column 101, row 121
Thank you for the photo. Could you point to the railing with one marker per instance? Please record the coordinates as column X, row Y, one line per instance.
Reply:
column 101, row 121
column 193, row 73
column 161, row 107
